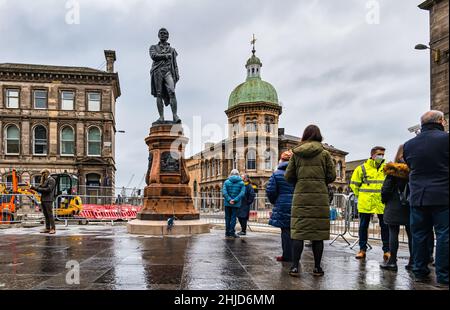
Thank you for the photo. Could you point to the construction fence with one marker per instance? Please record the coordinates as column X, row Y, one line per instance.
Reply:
column 82, row 209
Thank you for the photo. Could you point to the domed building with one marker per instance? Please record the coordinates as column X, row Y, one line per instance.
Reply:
column 254, row 143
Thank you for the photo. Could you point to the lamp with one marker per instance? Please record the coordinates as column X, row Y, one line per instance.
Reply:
column 436, row 52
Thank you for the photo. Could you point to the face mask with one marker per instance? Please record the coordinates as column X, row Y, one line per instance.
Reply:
column 379, row 158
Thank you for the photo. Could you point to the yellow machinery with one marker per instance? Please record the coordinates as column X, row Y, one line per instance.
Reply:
column 66, row 189
column 69, row 204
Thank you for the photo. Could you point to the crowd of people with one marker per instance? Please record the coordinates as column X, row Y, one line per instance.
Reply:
column 412, row 191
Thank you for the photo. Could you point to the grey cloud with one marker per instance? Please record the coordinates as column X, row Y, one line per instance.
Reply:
column 320, row 55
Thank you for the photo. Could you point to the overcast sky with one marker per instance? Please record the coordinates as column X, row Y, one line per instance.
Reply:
column 333, row 63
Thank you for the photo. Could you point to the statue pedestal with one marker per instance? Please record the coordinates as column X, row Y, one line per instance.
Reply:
column 167, row 193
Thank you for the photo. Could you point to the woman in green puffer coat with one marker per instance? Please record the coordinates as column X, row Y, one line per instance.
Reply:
column 311, row 169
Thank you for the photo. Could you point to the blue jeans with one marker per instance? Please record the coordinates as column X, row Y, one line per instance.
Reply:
column 364, row 221
column 286, row 244
column 423, row 219
column 230, row 220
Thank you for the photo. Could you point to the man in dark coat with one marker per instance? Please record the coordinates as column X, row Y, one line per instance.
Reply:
column 427, row 156
column 280, row 192
column 244, row 211
column 47, row 190
column 164, row 75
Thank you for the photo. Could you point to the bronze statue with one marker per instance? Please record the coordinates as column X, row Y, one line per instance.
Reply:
column 164, row 75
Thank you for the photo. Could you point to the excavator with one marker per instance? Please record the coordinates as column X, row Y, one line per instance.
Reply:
column 69, row 204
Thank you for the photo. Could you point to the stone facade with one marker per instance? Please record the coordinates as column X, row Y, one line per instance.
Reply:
column 439, row 32
column 47, row 114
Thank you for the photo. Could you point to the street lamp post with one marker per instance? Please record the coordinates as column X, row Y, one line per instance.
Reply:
column 437, row 52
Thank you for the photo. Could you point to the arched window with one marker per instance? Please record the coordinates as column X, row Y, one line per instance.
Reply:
column 12, row 140
column 218, row 167
column 40, row 140
column 208, row 172
column 94, row 141
column 269, row 124
column 251, row 125
column 251, row 160
column 339, row 170
column 35, row 180
column 213, row 167
column 268, row 159
column 67, row 141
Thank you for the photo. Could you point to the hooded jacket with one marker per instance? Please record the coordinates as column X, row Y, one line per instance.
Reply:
column 280, row 193
column 311, row 170
column 395, row 186
column 233, row 189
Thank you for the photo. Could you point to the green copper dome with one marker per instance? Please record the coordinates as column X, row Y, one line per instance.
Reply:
column 253, row 90
column 253, row 61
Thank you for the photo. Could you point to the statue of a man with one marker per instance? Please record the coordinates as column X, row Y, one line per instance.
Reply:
column 164, row 75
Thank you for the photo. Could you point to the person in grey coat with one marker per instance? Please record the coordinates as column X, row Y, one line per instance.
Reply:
column 47, row 190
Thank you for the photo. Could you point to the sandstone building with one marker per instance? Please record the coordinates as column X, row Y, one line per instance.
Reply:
column 59, row 118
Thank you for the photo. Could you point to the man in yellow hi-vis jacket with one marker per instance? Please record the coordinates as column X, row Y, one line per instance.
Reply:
column 366, row 183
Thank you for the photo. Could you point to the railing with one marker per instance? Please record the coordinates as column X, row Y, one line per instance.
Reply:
column 84, row 208
column 19, row 208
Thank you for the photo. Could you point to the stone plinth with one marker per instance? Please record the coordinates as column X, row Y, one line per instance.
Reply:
column 158, row 228
column 167, row 193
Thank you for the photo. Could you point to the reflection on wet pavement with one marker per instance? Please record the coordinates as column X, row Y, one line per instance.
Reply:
column 109, row 259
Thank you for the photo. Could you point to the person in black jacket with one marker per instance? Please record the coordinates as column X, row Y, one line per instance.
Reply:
column 427, row 156
column 244, row 211
column 394, row 195
column 47, row 190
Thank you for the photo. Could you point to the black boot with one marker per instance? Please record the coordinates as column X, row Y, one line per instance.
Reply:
column 391, row 264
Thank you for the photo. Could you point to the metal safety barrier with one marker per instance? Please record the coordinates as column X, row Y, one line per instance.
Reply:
column 70, row 208
column 20, row 208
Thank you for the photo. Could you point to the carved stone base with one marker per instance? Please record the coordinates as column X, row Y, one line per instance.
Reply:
column 162, row 208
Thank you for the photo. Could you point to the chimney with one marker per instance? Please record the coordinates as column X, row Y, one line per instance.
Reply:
column 110, row 59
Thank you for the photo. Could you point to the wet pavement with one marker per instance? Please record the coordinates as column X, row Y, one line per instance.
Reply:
column 110, row 259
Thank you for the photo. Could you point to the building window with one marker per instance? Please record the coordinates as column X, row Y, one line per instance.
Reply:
column 268, row 160
column 94, row 141
column 339, row 170
column 12, row 98
column 235, row 162
column 9, row 179
column 251, row 125
column 268, row 124
column 93, row 101
column 35, row 180
column 40, row 140
column 12, row 140
column 40, row 99
column 67, row 100
column 251, row 160
column 67, row 141
column 235, row 128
